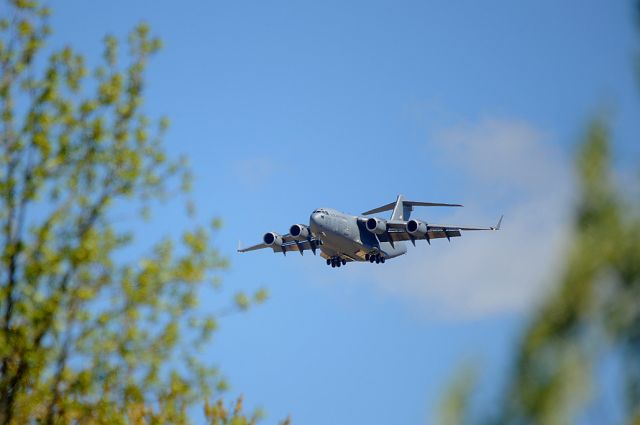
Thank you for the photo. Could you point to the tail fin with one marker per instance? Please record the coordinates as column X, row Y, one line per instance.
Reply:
column 402, row 208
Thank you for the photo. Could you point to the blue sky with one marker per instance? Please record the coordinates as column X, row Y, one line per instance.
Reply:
column 283, row 107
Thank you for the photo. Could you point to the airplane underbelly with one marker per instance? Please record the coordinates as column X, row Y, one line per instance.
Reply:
column 334, row 243
column 394, row 250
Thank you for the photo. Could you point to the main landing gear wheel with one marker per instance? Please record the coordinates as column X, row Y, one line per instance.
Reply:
column 374, row 258
column 336, row 262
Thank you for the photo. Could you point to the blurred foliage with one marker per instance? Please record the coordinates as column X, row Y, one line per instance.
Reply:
column 454, row 410
column 593, row 311
column 593, row 316
column 594, row 307
column 88, row 332
column 218, row 414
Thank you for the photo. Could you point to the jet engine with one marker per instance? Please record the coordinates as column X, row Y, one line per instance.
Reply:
column 272, row 238
column 416, row 228
column 375, row 225
column 300, row 231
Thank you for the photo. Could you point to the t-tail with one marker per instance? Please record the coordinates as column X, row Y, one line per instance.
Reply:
column 401, row 208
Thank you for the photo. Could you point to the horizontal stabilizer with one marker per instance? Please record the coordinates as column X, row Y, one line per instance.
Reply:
column 387, row 207
column 430, row 204
column 402, row 208
column 390, row 206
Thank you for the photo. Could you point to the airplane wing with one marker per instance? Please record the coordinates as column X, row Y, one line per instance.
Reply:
column 397, row 231
column 252, row 248
column 289, row 244
column 395, row 235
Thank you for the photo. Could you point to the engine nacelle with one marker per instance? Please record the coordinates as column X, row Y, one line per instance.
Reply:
column 377, row 226
column 300, row 231
column 416, row 228
column 272, row 238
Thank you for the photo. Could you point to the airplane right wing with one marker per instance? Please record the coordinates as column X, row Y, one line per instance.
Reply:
column 289, row 243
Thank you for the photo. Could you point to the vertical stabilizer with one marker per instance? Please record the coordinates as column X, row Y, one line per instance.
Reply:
column 401, row 210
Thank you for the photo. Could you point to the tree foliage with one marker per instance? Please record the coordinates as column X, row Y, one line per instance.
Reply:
column 88, row 332
column 594, row 308
column 593, row 316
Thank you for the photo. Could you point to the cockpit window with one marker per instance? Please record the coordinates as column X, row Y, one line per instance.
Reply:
column 321, row 210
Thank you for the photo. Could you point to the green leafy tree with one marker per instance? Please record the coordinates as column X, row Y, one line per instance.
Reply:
column 593, row 312
column 594, row 308
column 87, row 333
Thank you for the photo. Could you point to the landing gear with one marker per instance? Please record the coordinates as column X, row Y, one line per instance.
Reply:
column 374, row 258
column 336, row 262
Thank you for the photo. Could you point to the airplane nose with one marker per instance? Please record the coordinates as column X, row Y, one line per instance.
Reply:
column 315, row 222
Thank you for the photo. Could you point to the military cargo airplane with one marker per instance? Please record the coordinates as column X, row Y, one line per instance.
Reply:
column 343, row 238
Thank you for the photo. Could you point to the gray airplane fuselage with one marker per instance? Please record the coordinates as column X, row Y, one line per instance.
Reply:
column 344, row 234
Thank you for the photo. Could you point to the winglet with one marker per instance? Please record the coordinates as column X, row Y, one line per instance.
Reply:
column 497, row 226
column 239, row 246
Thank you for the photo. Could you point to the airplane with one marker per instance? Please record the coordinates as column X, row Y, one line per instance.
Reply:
column 343, row 238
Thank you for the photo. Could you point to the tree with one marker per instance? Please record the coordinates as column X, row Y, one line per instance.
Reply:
column 594, row 309
column 592, row 313
column 85, row 335
column 591, row 317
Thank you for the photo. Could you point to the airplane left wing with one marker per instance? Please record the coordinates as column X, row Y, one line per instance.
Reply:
column 397, row 231
column 396, row 235
column 467, row 228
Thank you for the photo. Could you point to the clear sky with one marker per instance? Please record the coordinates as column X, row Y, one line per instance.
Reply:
column 284, row 107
